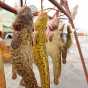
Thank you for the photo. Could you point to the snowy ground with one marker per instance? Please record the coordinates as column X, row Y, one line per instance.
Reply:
column 72, row 75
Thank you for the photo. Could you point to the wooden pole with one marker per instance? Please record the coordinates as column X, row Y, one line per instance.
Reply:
column 7, row 7
column 81, row 56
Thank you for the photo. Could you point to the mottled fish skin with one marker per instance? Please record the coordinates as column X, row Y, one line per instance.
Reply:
column 22, row 47
column 39, row 49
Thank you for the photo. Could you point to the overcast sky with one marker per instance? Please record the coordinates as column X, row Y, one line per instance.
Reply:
column 81, row 21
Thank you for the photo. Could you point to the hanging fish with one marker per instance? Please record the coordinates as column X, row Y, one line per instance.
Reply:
column 22, row 56
column 39, row 49
column 67, row 44
column 56, row 46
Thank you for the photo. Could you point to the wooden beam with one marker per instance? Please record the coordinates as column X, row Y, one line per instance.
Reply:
column 7, row 7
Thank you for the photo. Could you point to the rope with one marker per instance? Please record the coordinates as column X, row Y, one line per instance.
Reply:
column 25, row 3
column 41, row 5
